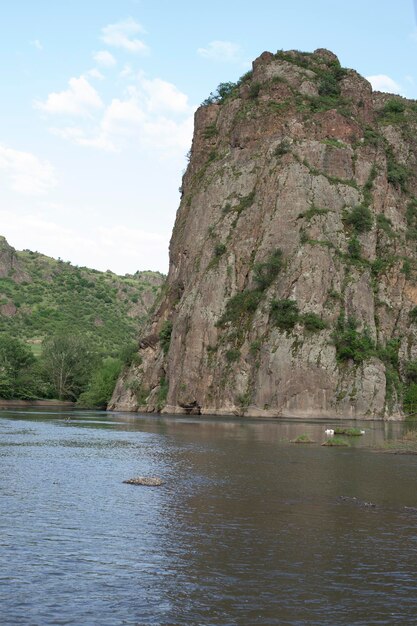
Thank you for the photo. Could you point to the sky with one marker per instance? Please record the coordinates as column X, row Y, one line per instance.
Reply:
column 97, row 99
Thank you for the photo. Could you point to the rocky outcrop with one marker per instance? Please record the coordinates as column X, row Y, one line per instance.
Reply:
column 292, row 280
column 10, row 266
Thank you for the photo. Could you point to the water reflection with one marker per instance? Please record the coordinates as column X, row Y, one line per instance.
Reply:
column 248, row 528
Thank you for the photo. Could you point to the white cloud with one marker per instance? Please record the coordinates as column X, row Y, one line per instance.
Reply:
column 166, row 134
column 79, row 99
column 25, row 172
column 164, row 96
column 121, row 35
column 99, row 247
column 104, row 58
column 121, row 115
column 79, row 136
column 37, row 44
column 126, row 72
column 153, row 113
column 95, row 73
column 221, row 51
column 382, row 82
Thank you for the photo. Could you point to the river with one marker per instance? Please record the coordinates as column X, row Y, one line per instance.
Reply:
column 248, row 528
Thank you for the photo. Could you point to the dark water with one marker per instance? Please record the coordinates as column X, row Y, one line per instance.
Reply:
column 248, row 529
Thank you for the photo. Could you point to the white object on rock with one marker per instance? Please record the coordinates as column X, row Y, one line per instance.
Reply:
column 329, row 431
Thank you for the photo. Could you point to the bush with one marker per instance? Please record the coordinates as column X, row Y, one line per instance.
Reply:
column 389, row 353
column 210, row 131
column 222, row 93
column 371, row 136
column 351, row 344
column 393, row 111
column 397, row 174
column 410, row 399
column 284, row 313
column 354, row 248
column 265, row 273
column 411, row 217
column 411, row 371
column 336, row 441
column 68, row 361
column 219, row 249
column 239, row 306
column 129, row 354
column 254, row 90
column 162, row 393
column 406, row 268
column 18, row 370
column 232, row 355
column 245, row 202
column 413, row 315
column 304, row 438
column 385, row 224
column 329, row 86
column 394, row 106
column 101, row 386
column 165, row 335
column 282, row 148
column 360, row 218
column 312, row 211
column 313, row 322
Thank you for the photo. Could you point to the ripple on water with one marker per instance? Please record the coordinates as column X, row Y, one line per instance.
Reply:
column 247, row 529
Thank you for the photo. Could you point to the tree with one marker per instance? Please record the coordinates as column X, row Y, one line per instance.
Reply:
column 17, row 369
column 67, row 362
column 102, row 383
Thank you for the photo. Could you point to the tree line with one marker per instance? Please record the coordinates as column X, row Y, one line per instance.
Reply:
column 69, row 368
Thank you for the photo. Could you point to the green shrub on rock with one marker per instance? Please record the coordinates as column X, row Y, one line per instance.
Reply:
column 313, row 322
column 350, row 343
column 266, row 272
column 360, row 218
column 240, row 305
column 284, row 313
column 165, row 335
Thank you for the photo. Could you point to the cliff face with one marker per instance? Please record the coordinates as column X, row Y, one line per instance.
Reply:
column 292, row 280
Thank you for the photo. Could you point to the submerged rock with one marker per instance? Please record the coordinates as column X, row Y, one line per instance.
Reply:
column 147, row 481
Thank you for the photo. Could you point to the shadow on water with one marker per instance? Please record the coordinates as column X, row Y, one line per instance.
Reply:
column 248, row 528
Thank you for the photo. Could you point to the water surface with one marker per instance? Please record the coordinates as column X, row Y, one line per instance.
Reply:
column 248, row 529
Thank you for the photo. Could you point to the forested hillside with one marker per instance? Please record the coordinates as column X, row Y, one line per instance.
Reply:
column 42, row 299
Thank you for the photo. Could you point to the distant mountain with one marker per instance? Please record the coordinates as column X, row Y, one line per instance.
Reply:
column 40, row 296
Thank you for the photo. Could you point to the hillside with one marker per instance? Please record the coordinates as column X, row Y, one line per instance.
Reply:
column 292, row 283
column 40, row 296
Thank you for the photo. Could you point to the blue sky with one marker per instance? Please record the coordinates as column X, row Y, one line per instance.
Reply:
column 98, row 96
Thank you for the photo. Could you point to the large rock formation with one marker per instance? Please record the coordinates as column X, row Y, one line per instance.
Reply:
column 292, row 280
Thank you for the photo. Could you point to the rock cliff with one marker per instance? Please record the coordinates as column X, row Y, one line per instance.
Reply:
column 292, row 283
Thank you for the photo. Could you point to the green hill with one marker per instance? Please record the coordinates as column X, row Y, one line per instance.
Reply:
column 41, row 296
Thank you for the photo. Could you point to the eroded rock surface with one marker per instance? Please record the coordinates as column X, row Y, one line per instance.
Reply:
column 299, row 159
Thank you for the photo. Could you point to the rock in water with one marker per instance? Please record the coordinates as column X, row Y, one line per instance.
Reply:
column 148, row 481
column 292, row 260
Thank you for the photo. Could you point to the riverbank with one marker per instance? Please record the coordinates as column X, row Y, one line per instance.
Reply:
column 21, row 404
